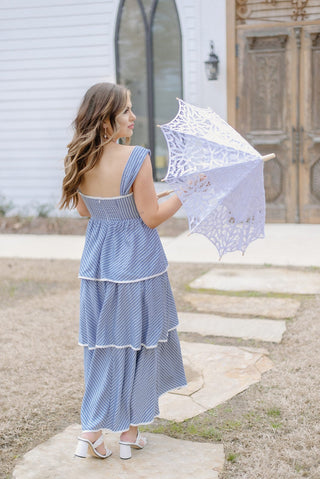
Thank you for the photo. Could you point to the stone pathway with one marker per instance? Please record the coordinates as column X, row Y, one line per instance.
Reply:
column 215, row 374
column 164, row 458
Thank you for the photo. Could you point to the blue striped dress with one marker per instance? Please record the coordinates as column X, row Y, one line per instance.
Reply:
column 128, row 317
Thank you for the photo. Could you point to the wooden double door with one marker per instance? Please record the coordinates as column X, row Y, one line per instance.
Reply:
column 278, row 111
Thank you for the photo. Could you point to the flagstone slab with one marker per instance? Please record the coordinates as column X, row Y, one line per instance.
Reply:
column 214, row 325
column 224, row 371
column 263, row 280
column 163, row 457
column 274, row 308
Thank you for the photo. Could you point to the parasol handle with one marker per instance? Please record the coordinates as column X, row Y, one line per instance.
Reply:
column 268, row 157
column 164, row 193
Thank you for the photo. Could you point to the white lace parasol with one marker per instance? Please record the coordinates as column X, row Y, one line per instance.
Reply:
column 218, row 176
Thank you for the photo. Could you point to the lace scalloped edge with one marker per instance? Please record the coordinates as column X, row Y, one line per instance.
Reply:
column 97, row 346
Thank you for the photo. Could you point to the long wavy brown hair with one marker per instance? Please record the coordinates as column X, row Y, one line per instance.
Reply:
column 102, row 103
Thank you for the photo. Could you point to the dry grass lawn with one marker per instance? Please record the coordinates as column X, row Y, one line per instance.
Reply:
column 270, row 431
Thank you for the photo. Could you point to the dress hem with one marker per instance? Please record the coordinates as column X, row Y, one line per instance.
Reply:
column 140, row 423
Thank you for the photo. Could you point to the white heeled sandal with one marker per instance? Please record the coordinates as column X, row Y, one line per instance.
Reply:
column 85, row 444
column 125, row 447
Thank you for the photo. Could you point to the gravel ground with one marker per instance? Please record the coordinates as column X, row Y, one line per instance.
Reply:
column 269, row 431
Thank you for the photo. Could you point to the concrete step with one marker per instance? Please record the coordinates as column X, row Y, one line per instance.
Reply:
column 273, row 308
column 214, row 325
column 262, row 280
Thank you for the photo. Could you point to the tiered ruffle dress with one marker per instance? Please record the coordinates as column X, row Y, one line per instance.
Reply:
column 128, row 317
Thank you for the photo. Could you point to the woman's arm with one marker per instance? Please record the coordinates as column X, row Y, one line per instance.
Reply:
column 151, row 212
column 81, row 207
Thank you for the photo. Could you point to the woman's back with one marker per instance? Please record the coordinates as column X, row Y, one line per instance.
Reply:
column 104, row 179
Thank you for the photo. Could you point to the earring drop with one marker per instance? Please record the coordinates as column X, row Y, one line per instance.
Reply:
column 105, row 134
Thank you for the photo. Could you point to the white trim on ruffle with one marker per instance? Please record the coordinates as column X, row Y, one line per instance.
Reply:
column 97, row 346
column 123, row 282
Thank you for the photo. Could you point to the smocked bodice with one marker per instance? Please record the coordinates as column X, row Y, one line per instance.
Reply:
column 117, row 208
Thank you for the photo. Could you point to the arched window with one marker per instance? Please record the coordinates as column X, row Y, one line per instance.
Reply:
column 149, row 63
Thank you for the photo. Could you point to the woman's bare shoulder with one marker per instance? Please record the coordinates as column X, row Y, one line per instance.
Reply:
column 118, row 151
column 126, row 148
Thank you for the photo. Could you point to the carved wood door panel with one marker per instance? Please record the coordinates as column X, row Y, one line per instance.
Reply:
column 266, row 112
column 309, row 158
column 278, row 111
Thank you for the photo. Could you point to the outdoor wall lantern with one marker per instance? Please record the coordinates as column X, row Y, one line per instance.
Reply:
column 212, row 64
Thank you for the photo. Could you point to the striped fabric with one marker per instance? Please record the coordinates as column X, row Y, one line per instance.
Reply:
column 123, row 385
column 128, row 318
column 138, row 322
column 119, row 247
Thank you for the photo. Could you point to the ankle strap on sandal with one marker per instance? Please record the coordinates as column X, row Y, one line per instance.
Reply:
column 98, row 442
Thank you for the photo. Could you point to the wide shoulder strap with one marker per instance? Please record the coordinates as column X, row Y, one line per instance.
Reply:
column 132, row 168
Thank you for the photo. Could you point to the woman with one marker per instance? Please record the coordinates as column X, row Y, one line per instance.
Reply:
column 128, row 318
